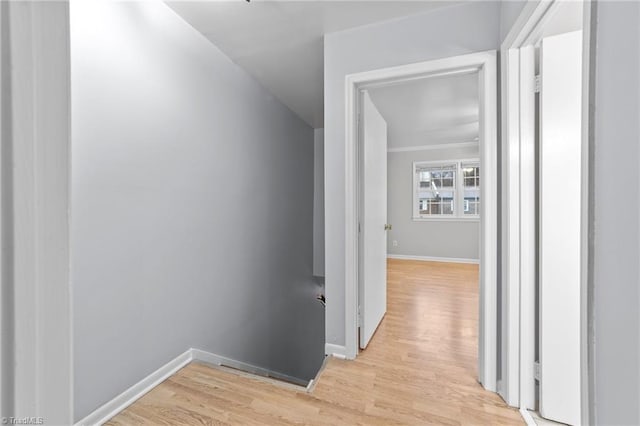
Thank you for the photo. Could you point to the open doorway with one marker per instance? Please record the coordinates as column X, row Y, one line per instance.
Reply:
column 420, row 205
column 420, row 178
column 433, row 167
column 443, row 203
column 545, row 100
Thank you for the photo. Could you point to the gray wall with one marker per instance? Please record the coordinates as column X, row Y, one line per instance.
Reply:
column 6, row 221
column 509, row 12
column 318, row 202
column 615, row 254
column 36, row 370
column 616, row 231
column 451, row 31
column 192, row 206
column 451, row 239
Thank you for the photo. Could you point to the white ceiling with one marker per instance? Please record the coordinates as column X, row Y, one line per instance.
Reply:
column 430, row 111
column 280, row 42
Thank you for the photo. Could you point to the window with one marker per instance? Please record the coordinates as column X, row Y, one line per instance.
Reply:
column 471, row 188
column 436, row 189
column 446, row 189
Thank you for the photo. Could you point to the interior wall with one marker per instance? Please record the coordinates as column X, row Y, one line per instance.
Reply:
column 318, row 202
column 6, row 222
column 35, row 313
column 459, row 239
column 614, row 294
column 192, row 206
column 615, row 205
column 509, row 12
column 451, row 31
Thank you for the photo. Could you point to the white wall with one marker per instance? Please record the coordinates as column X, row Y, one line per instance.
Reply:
column 450, row 31
column 615, row 205
column 192, row 206
column 318, row 202
column 444, row 239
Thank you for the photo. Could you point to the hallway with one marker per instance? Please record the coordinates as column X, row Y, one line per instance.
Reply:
column 420, row 368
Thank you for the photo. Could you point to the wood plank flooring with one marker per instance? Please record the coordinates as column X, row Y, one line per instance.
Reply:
column 420, row 368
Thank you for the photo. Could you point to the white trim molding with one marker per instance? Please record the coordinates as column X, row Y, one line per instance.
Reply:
column 110, row 409
column 527, row 417
column 137, row 391
column 455, row 145
column 518, row 195
column 39, row 141
column 516, row 228
column 210, row 358
column 337, row 351
column 433, row 259
column 484, row 64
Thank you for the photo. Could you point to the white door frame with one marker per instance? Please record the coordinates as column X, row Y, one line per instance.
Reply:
column 518, row 215
column 485, row 64
column 38, row 197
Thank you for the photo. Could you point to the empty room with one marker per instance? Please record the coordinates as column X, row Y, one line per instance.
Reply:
column 320, row 212
column 433, row 209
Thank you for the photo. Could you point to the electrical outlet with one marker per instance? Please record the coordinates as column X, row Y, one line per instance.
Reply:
column 395, row 243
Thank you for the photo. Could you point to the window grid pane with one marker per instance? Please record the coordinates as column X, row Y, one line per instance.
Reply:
column 436, row 189
column 471, row 188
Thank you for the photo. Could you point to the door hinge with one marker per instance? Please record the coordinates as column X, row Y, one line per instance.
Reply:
column 536, row 371
column 536, row 84
column 359, row 317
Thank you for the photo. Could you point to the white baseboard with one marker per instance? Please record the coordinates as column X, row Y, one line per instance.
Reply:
column 527, row 417
column 210, row 358
column 432, row 259
column 135, row 392
column 312, row 383
column 337, row 351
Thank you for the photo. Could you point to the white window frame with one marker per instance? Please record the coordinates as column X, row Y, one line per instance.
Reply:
column 458, row 211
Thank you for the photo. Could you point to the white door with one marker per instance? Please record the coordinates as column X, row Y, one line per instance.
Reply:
column 373, row 220
column 560, row 186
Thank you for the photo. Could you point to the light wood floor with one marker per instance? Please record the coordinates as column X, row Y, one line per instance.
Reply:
column 420, row 368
